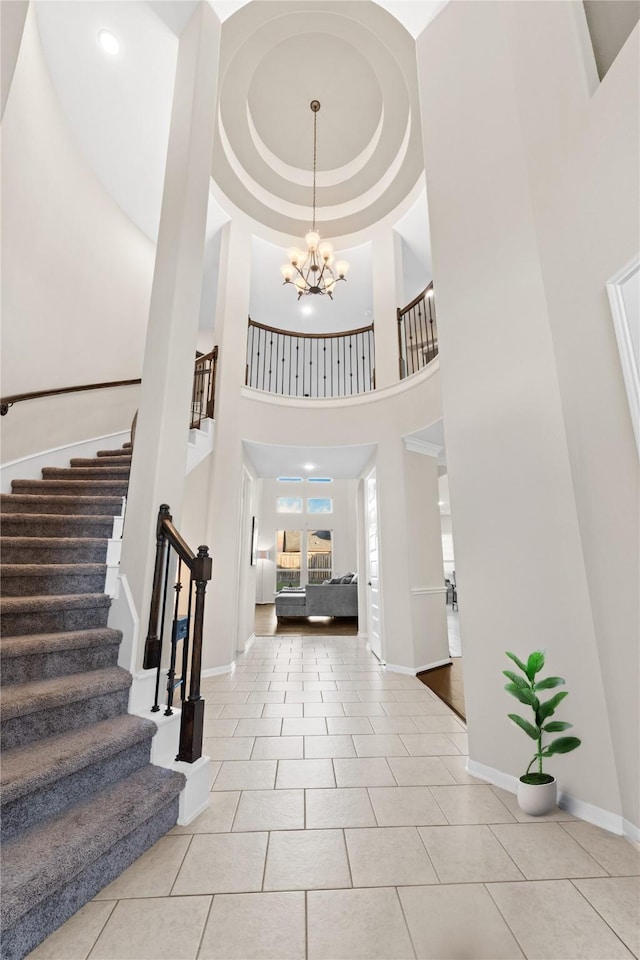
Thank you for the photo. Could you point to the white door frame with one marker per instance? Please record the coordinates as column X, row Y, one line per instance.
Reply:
column 372, row 566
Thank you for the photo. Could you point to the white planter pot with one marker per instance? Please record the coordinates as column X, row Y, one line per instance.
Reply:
column 537, row 799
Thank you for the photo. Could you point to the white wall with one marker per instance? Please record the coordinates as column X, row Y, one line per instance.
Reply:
column 535, row 208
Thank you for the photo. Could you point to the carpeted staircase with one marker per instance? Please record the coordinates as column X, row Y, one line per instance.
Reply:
column 79, row 799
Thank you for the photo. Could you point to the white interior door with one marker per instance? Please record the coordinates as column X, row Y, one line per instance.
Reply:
column 373, row 566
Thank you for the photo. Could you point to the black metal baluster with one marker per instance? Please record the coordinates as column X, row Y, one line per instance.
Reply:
column 171, row 673
column 185, row 647
column 156, row 706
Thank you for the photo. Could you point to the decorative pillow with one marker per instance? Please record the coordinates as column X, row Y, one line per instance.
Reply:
column 335, row 580
column 347, row 579
column 354, row 578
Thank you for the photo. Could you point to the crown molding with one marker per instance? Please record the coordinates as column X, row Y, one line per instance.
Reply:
column 423, row 447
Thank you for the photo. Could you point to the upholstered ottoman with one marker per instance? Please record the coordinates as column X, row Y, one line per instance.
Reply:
column 291, row 604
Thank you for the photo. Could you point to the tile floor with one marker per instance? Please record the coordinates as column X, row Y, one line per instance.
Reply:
column 343, row 825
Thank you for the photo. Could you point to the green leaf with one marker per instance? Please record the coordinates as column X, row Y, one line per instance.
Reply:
column 548, row 709
column 525, row 725
column 535, row 663
column 549, row 683
column 562, row 745
column 519, row 663
column 556, row 726
column 519, row 681
column 523, row 694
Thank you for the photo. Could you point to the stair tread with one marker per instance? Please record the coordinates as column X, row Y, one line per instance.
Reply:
column 51, row 853
column 80, row 484
column 29, row 498
column 46, row 569
column 22, row 699
column 38, row 764
column 65, row 601
column 33, row 643
column 49, row 542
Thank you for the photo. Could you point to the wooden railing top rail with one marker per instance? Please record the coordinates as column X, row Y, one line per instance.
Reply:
column 415, row 301
column 311, row 336
column 6, row 402
column 205, row 357
column 178, row 543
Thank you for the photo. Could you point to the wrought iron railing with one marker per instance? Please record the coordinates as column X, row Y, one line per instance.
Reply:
column 310, row 365
column 204, row 388
column 185, row 631
column 417, row 333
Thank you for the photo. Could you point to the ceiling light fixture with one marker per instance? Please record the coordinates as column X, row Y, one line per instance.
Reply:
column 109, row 43
column 313, row 271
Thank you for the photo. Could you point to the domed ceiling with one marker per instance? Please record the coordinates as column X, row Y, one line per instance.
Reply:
column 359, row 62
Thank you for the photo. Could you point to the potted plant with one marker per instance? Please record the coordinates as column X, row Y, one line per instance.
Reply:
column 537, row 791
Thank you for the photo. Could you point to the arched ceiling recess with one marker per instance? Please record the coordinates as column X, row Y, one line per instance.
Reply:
column 359, row 61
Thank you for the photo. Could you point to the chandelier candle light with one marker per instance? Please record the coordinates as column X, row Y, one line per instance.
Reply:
column 314, row 271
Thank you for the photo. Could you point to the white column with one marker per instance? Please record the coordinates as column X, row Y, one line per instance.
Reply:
column 385, row 307
column 158, row 468
column 426, row 574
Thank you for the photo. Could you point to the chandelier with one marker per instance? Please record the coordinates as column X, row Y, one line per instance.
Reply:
column 314, row 271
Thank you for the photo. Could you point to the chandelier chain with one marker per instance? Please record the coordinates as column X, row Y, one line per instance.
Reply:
column 315, row 140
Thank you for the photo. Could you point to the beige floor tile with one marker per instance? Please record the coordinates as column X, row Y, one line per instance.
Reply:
column 388, row 856
column 323, row 710
column 471, row 803
column 405, row 806
column 214, row 769
column 394, row 725
column 222, row 863
column 259, row 728
column 436, row 708
column 348, row 725
column 551, row 920
column 279, row 748
column 75, row 938
column 228, row 696
column 363, row 772
column 240, row 711
column 270, row 810
column 152, row 874
column 282, row 710
column 319, row 747
column 429, row 744
column 379, row 745
column 303, row 696
column 511, row 803
column 346, row 807
column 461, row 741
column 304, row 727
column 286, row 685
column 340, row 696
column 305, row 773
column 544, row 851
column 251, row 685
column 438, row 725
column 306, row 860
column 228, row 748
column 246, row 775
column 167, row 928
column 365, row 709
column 617, row 900
column 619, row 857
column 255, row 926
column 456, row 921
column 457, row 767
column 357, row 925
column 420, row 771
column 217, row 818
column 218, row 728
column 213, row 710
column 353, row 685
column 420, row 692
column 267, row 696
column 468, row 854
column 320, row 685
column 413, row 708
column 377, row 696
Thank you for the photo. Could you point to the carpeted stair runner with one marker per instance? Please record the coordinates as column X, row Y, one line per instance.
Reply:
column 79, row 799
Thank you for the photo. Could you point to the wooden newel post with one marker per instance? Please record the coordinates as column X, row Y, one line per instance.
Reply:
column 153, row 643
column 192, row 718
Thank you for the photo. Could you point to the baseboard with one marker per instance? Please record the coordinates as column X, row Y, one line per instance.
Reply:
column 217, row 671
column 612, row 822
column 434, row 665
column 413, row 671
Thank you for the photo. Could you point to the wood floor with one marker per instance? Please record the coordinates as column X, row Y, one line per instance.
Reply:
column 447, row 683
column 266, row 624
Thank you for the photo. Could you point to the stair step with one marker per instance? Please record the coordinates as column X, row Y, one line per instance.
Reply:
column 24, row 615
column 77, row 505
column 52, row 579
column 71, row 488
column 86, row 473
column 42, row 656
column 57, row 866
column 121, row 452
column 28, row 525
column 31, row 711
column 41, row 779
column 53, row 550
column 127, row 446
column 123, row 461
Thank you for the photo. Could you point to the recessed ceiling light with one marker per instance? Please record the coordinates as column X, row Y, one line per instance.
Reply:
column 306, row 310
column 309, row 466
column 109, row 43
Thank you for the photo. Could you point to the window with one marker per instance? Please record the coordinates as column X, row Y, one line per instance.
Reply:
column 289, row 479
column 288, row 567
column 319, row 555
column 289, row 504
column 319, row 505
column 319, row 480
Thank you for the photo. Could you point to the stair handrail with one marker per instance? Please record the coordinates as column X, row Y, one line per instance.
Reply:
column 7, row 402
column 200, row 567
column 417, row 333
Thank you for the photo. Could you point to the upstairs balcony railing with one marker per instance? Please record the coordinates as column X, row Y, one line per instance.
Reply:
column 309, row 364
column 204, row 388
column 417, row 333
column 185, row 634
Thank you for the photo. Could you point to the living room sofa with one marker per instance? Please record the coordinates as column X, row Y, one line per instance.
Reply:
column 319, row 600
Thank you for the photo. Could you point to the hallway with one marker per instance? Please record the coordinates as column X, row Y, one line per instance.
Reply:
column 343, row 825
